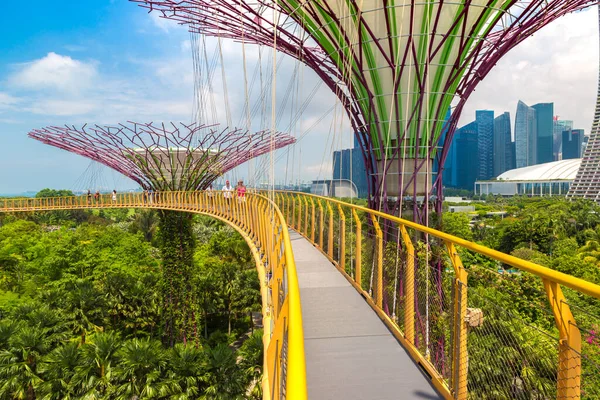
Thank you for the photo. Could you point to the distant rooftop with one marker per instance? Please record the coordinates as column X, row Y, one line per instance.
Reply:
column 552, row 171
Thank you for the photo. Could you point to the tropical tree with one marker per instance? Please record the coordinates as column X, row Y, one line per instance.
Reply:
column 185, row 377
column 223, row 377
column 251, row 363
column 94, row 378
column 58, row 369
column 142, row 364
column 19, row 373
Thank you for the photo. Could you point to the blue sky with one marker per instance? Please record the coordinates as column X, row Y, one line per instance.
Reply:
column 105, row 61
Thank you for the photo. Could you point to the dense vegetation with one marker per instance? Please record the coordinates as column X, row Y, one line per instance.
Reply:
column 515, row 350
column 81, row 310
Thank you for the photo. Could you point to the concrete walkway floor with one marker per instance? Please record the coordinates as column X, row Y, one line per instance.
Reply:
column 350, row 353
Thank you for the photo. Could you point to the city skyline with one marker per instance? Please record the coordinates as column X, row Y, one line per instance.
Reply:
column 91, row 73
column 491, row 146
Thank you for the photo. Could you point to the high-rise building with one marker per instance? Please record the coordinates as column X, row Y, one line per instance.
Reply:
column 350, row 164
column 448, row 162
column 504, row 147
column 587, row 181
column 485, row 143
column 559, row 127
column 525, row 136
column 572, row 141
column 467, row 158
column 544, row 116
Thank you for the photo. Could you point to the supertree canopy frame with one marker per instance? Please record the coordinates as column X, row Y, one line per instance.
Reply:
column 396, row 67
column 164, row 157
column 168, row 157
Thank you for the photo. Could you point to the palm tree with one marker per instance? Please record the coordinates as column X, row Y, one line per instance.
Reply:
column 58, row 369
column 94, row 377
column 223, row 377
column 18, row 364
column 7, row 329
column 85, row 305
column 141, row 367
column 186, row 371
column 146, row 222
column 252, row 363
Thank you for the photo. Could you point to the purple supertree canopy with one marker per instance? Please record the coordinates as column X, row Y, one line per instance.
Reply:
column 164, row 157
column 396, row 66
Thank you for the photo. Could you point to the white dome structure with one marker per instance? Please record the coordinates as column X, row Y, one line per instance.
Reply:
column 556, row 170
column 548, row 179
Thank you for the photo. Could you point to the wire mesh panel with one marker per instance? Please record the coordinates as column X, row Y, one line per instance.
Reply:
column 508, row 356
column 485, row 325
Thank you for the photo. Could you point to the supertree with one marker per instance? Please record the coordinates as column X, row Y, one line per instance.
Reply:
column 166, row 158
column 396, row 67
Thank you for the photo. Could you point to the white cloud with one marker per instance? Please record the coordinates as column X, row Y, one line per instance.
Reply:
column 55, row 72
column 6, row 100
column 62, row 107
column 161, row 23
column 558, row 64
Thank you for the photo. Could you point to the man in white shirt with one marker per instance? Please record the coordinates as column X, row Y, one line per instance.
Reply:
column 227, row 194
column 227, row 190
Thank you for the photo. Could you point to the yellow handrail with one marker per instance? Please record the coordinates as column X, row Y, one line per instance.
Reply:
column 570, row 281
column 451, row 378
column 260, row 222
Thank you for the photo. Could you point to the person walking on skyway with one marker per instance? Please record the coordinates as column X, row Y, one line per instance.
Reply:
column 241, row 191
column 227, row 193
column 114, row 196
column 89, row 197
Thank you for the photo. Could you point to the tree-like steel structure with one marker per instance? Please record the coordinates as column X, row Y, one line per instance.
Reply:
column 164, row 157
column 168, row 157
column 396, row 66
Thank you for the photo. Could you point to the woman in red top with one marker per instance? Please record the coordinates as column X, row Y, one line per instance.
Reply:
column 241, row 191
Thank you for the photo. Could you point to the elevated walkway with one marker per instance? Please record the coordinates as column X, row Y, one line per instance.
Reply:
column 350, row 353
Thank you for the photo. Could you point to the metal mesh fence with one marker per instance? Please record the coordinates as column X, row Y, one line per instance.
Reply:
column 492, row 334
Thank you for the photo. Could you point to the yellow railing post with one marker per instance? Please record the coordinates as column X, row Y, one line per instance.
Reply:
column 299, row 226
column 321, row 223
column 305, row 216
column 460, row 355
column 342, row 260
column 409, row 286
column 330, row 232
column 379, row 274
column 569, row 347
column 358, row 250
column 289, row 217
column 312, row 221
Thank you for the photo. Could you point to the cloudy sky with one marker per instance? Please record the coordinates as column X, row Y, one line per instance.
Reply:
column 66, row 62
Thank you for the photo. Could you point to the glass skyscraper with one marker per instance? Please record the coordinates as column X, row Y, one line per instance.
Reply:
column 559, row 127
column 544, row 115
column 525, row 136
column 485, row 143
column 572, row 141
column 467, row 158
column 504, row 147
column 350, row 164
